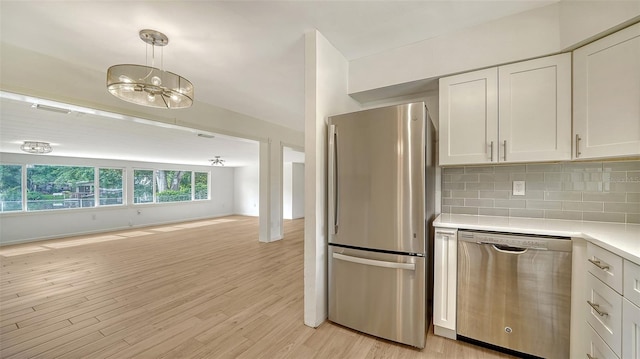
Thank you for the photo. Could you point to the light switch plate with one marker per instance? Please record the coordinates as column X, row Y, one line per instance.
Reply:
column 518, row 188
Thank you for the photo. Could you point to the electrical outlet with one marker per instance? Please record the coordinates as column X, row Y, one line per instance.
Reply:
column 518, row 188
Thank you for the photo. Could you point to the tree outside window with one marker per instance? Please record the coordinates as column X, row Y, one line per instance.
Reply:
column 59, row 187
column 110, row 181
column 142, row 186
column 173, row 186
column 10, row 188
column 202, row 185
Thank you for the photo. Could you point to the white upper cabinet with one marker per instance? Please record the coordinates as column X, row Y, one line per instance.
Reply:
column 535, row 110
column 514, row 113
column 606, row 96
column 469, row 117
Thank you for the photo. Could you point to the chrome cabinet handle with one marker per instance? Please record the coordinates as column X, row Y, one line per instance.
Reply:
column 578, row 139
column 599, row 264
column 491, row 149
column 596, row 307
column 505, row 150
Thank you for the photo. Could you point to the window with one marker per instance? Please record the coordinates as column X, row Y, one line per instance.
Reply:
column 110, row 181
column 59, row 187
column 173, row 186
column 201, row 185
column 142, row 186
column 51, row 187
column 10, row 188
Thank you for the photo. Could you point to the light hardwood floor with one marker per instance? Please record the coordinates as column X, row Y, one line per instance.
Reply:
column 205, row 289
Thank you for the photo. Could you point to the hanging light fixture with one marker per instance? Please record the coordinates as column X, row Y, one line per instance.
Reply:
column 36, row 147
column 217, row 161
column 148, row 85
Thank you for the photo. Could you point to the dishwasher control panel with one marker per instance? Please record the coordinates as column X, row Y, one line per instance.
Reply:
column 511, row 239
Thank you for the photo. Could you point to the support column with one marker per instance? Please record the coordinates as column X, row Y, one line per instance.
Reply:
column 270, row 210
column 326, row 93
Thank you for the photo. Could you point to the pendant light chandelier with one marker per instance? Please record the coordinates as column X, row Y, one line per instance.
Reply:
column 36, row 147
column 148, row 85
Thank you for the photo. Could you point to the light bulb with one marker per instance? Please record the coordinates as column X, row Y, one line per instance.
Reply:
column 175, row 98
column 125, row 79
column 156, row 81
column 151, row 97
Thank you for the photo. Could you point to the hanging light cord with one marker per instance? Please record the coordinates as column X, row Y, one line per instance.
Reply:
column 153, row 60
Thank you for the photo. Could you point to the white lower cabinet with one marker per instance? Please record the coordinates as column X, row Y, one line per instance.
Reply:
column 604, row 308
column 597, row 348
column 611, row 308
column 445, row 282
column 632, row 282
column 630, row 330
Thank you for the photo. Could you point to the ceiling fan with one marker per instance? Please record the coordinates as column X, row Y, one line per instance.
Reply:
column 217, row 161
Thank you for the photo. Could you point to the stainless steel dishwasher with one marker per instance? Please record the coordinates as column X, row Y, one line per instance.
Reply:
column 514, row 291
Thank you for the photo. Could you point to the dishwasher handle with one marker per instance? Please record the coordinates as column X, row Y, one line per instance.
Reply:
column 508, row 249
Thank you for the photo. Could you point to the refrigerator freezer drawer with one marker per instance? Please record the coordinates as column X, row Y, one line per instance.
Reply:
column 379, row 294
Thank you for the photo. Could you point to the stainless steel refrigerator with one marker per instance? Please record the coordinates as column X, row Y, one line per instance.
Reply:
column 381, row 205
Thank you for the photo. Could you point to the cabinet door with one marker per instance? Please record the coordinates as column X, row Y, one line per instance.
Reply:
column 444, row 282
column 469, row 118
column 606, row 96
column 535, row 110
column 630, row 330
column 604, row 308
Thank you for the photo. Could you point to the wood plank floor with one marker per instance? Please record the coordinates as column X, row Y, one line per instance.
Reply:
column 205, row 289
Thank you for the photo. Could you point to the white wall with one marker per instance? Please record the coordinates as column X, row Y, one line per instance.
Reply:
column 297, row 179
column 246, row 190
column 326, row 73
column 526, row 35
column 293, row 191
column 539, row 32
column 584, row 21
column 287, row 191
column 30, row 226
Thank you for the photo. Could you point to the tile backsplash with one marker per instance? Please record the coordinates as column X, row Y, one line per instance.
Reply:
column 589, row 191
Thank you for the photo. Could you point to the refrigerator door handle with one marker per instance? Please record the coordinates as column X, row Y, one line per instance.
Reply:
column 374, row 262
column 333, row 180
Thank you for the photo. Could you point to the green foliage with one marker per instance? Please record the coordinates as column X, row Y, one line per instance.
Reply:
column 46, row 183
column 34, row 196
column 174, row 196
column 10, row 177
column 40, row 176
column 202, row 187
column 142, row 186
column 110, row 178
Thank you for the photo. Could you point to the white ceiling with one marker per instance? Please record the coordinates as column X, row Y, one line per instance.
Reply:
column 246, row 56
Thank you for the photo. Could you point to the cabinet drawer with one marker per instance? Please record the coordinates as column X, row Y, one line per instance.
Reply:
column 632, row 282
column 630, row 330
column 606, row 266
column 597, row 348
column 607, row 323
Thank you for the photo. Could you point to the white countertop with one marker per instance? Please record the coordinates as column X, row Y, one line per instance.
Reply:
column 621, row 239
